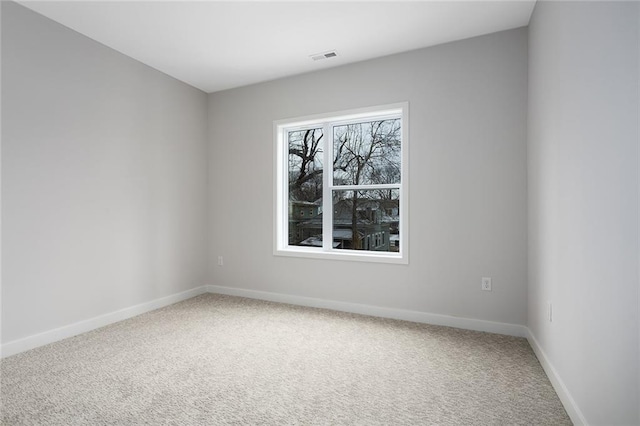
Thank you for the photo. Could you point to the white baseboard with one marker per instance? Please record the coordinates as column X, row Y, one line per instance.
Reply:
column 31, row 342
column 567, row 400
column 377, row 311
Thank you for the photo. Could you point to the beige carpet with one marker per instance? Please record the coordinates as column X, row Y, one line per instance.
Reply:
column 215, row 360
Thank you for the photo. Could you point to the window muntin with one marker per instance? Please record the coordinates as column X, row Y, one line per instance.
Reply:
column 342, row 180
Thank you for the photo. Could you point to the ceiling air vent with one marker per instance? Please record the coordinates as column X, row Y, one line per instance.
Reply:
column 324, row 55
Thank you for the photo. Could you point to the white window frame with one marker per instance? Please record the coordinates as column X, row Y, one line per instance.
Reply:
column 281, row 187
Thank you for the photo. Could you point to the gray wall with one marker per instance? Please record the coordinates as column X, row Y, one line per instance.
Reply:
column 104, row 174
column 583, row 201
column 467, row 180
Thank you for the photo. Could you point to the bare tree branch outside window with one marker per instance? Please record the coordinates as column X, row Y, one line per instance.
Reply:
column 305, row 165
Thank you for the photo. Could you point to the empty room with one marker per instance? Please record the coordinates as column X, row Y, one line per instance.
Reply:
column 320, row 213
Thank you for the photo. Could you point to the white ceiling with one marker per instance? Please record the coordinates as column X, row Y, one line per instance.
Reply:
column 217, row 45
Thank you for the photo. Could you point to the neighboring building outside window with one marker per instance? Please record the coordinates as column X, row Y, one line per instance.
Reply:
column 348, row 171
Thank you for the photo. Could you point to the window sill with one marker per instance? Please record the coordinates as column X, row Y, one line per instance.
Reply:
column 349, row 255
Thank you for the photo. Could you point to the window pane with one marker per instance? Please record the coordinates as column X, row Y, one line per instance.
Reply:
column 305, row 187
column 366, row 220
column 367, row 153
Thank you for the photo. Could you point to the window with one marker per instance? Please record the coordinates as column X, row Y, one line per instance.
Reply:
column 351, row 168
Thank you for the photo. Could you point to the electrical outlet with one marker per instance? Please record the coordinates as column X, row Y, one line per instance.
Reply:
column 486, row 283
column 220, row 261
column 550, row 311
